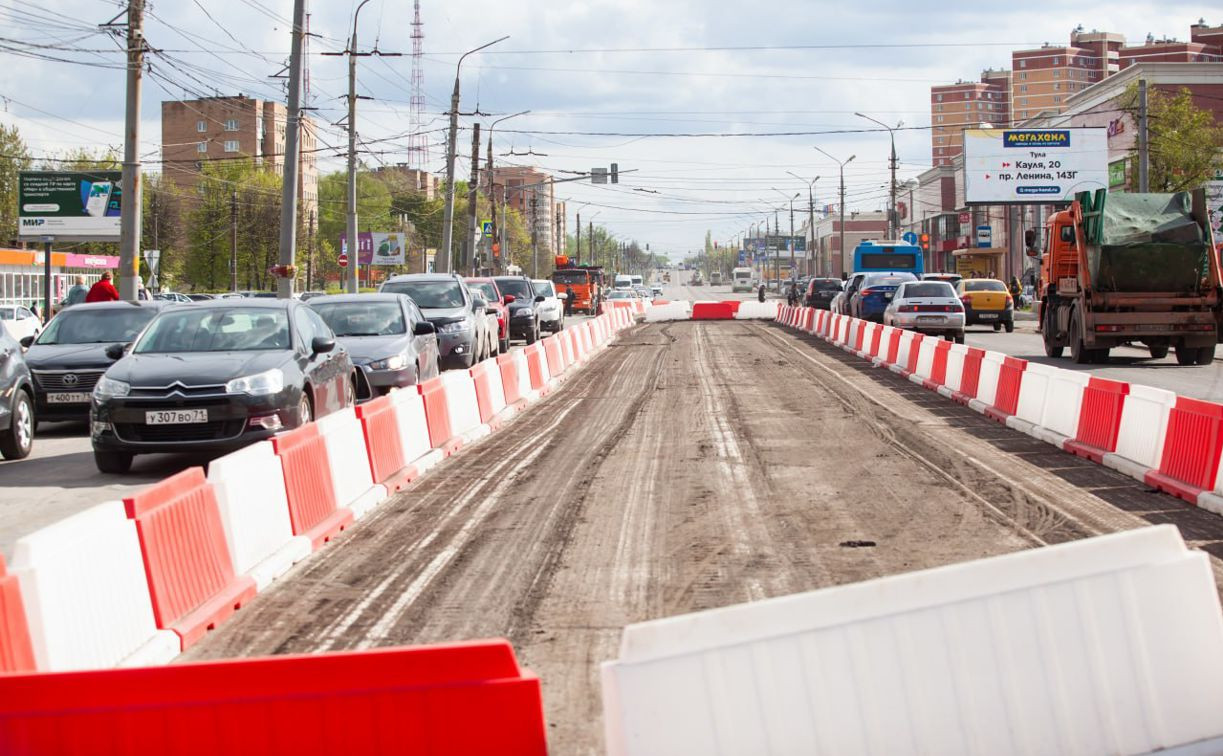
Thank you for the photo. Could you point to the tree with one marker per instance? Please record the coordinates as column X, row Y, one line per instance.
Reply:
column 14, row 158
column 1184, row 139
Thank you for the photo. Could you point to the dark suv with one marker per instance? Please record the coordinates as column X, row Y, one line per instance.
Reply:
column 520, row 295
column 464, row 331
column 821, row 291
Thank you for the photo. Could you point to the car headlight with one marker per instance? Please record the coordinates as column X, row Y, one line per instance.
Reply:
column 524, row 313
column 458, row 327
column 109, row 388
column 395, row 362
column 268, row 382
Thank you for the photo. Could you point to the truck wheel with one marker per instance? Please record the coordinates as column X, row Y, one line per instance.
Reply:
column 1052, row 350
column 1186, row 355
column 1100, row 356
column 1158, row 351
column 1010, row 326
column 1206, row 354
column 1078, row 351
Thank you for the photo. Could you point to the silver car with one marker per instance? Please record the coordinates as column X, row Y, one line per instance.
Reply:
column 929, row 307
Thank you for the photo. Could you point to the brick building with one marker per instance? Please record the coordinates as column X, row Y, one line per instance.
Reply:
column 218, row 128
column 966, row 104
column 825, row 243
column 424, row 182
column 537, row 203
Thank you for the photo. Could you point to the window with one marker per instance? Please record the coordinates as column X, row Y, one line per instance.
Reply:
column 231, row 124
column 1057, row 100
column 1057, row 87
column 1023, row 75
column 968, row 106
column 201, row 147
column 967, row 95
column 1057, row 61
column 231, row 145
column 1023, row 63
column 1023, row 87
column 939, row 98
column 1057, row 74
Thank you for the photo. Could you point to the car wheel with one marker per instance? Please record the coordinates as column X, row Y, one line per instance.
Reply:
column 532, row 335
column 505, row 345
column 18, row 440
column 112, row 462
column 959, row 337
column 305, row 410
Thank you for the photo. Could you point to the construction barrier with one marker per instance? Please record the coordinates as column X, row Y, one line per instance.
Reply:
column 186, row 557
column 463, row 698
column 308, row 487
column 490, row 395
column 413, row 424
column 1193, row 441
column 463, row 406
column 988, row 656
column 437, row 414
column 16, row 652
column 388, row 465
column 712, row 311
column 351, row 475
column 1099, row 419
column 555, row 356
column 249, row 486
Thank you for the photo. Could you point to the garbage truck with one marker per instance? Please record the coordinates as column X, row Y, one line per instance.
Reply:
column 1131, row 269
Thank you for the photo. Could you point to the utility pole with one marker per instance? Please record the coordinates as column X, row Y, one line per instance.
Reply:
column 893, row 221
column 534, row 236
column 288, row 202
column 473, row 195
column 579, row 236
column 130, row 220
column 1144, row 144
column 354, row 241
column 310, row 253
column 451, row 148
column 233, row 241
column 842, row 165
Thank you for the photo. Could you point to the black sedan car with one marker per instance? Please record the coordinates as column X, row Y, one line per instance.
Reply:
column 16, row 401
column 820, row 292
column 389, row 341
column 215, row 376
column 522, row 299
column 69, row 356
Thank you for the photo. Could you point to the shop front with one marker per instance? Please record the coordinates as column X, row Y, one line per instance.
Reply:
column 980, row 262
column 21, row 274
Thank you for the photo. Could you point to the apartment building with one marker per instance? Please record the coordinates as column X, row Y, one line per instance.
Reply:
column 1044, row 78
column 966, row 104
column 530, row 192
column 225, row 128
column 1205, row 45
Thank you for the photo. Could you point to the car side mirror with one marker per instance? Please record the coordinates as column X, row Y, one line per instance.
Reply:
column 26, row 341
column 423, row 328
column 490, row 310
column 115, row 351
column 322, row 344
column 539, row 299
column 562, row 295
column 509, row 298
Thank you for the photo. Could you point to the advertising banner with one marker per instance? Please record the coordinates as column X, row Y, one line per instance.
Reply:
column 1033, row 166
column 69, row 205
column 378, row 248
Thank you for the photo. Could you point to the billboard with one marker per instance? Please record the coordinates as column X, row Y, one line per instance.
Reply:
column 378, row 248
column 70, row 205
column 1033, row 166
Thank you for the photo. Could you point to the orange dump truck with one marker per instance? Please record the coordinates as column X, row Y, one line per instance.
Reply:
column 586, row 282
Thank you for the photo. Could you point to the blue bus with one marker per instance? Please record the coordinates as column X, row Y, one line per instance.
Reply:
column 888, row 257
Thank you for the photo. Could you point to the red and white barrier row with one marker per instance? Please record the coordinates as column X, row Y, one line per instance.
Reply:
column 137, row 581
column 1170, row 442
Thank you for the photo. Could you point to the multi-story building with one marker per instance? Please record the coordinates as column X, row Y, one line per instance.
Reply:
column 223, row 128
column 531, row 193
column 966, row 104
column 1205, row 45
column 825, row 245
column 1044, row 78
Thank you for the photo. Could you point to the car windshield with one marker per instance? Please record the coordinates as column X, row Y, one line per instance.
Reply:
column 544, row 288
column 829, row 285
column 984, row 286
column 429, row 295
column 569, row 276
column 362, row 318
column 232, row 329
column 96, row 326
column 929, row 289
column 519, row 287
column 620, row 295
column 487, row 288
column 8, row 313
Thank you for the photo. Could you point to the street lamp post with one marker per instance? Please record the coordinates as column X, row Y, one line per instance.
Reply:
column 790, row 241
column 810, row 210
column 841, row 165
column 893, row 221
column 451, row 149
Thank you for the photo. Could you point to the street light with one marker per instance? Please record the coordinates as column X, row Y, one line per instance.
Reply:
column 842, row 167
column 498, row 228
column 893, row 221
column 448, row 215
column 790, row 241
column 810, row 211
column 354, row 243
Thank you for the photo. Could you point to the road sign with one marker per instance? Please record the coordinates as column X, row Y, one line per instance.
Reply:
column 1033, row 166
column 71, row 205
column 343, row 260
column 598, row 175
column 985, row 236
column 152, row 257
column 486, row 228
column 909, row 237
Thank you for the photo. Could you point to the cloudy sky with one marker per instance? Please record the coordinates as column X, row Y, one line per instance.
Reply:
column 606, row 81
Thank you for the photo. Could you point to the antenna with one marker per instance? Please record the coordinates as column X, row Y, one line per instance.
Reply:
column 418, row 143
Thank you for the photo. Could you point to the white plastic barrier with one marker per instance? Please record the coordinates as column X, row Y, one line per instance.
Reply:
column 414, row 429
column 351, row 477
column 753, row 310
column 955, row 367
column 86, row 596
column 987, row 384
column 1107, row 645
column 680, row 310
column 1033, row 394
column 586, row 337
column 925, row 356
column 906, row 343
column 250, row 491
column 1062, row 403
column 495, row 386
column 568, row 355
column 464, row 408
column 843, row 328
column 1144, row 420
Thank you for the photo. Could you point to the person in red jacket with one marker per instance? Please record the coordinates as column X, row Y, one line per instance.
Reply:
column 103, row 291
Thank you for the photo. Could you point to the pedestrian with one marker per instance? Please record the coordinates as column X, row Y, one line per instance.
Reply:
column 77, row 293
column 760, row 294
column 568, row 299
column 103, row 290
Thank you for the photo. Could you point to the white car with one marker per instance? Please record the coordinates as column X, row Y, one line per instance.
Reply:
column 552, row 309
column 929, row 307
column 19, row 321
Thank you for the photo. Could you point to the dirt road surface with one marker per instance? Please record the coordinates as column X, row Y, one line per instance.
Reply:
column 692, row 465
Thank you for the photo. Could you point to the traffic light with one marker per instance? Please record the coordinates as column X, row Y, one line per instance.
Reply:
column 924, row 242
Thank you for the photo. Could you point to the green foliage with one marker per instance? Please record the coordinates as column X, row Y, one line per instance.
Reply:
column 14, row 158
column 229, row 190
column 1184, row 139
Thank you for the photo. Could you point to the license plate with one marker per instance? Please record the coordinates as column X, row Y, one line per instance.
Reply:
column 931, row 318
column 67, row 398
column 176, row 417
column 887, row 296
column 987, row 315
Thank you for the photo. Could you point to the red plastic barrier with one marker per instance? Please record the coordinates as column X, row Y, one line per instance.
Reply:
column 914, row 353
column 535, row 369
column 809, row 319
column 734, row 305
column 719, row 311
column 312, row 506
column 509, row 381
column 16, row 652
column 556, row 358
column 484, row 394
column 380, row 426
column 893, row 347
column 1190, row 461
column 437, row 415
column 1099, row 419
column 186, row 557
column 876, row 335
column 938, row 369
column 970, row 375
column 858, row 339
column 458, row 699
column 1010, row 376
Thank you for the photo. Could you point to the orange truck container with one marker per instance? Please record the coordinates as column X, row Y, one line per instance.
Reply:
column 586, row 282
column 1131, row 268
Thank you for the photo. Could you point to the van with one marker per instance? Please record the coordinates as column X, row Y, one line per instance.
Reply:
column 624, row 282
column 741, row 279
column 636, row 281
